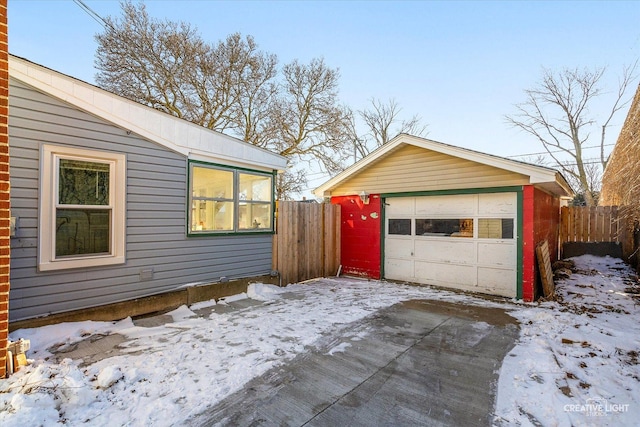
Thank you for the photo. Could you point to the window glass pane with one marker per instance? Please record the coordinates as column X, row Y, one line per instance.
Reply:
column 212, row 183
column 211, row 215
column 82, row 232
column 400, row 227
column 254, row 187
column 495, row 228
column 254, row 216
column 83, row 183
column 445, row 227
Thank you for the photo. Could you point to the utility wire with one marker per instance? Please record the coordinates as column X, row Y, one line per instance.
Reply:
column 557, row 151
column 100, row 20
column 92, row 13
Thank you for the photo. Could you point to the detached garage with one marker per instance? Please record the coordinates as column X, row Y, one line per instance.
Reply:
column 421, row 211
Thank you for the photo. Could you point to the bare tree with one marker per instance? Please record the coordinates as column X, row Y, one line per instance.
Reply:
column 148, row 61
column 290, row 182
column 311, row 125
column 556, row 112
column 254, row 87
column 167, row 66
column 230, row 87
column 593, row 174
column 383, row 123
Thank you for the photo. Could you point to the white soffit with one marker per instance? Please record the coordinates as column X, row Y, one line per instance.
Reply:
column 176, row 134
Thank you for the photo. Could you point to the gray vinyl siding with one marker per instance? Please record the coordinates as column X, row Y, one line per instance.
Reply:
column 155, row 217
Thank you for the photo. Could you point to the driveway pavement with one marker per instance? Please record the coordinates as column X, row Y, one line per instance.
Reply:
column 416, row 363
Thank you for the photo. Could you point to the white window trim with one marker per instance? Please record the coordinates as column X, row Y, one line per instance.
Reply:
column 47, row 217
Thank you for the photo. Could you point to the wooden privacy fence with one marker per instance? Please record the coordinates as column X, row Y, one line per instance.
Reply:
column 591, row 224
column 307, row 240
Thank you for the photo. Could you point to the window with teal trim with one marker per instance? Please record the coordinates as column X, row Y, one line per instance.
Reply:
column 227, row 200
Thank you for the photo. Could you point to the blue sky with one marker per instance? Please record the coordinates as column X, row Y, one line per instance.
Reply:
column 459, row 65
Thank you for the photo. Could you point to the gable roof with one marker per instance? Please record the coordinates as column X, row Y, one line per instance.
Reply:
column 541, row 176
column 173, row 133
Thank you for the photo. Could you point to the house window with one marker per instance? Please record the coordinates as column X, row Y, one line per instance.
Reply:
column 82, row 214
column 227, row 200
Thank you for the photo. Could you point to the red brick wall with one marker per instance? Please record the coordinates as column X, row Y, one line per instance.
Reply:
column 621, row 180
column 360, row 240
column 4, row 187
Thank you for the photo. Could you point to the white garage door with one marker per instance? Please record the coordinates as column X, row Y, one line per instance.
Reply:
column 465, row 242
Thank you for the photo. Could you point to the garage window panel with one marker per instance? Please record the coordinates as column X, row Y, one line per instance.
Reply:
column 456, row 227
column 400, row 227
column 495, row 228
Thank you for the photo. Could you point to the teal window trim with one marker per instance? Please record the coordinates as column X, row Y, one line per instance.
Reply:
column 236, row 174
column 519, row 218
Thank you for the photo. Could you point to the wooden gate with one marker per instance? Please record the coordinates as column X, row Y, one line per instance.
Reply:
column 307, row 240
column 591, row 224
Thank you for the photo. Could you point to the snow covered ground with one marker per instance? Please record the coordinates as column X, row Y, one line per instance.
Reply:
column 576, row 362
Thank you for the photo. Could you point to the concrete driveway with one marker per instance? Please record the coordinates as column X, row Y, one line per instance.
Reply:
column 415, row 363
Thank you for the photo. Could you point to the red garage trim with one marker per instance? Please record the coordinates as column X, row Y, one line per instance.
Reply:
column 528, row 245
column 540, row 216
column 360, row 241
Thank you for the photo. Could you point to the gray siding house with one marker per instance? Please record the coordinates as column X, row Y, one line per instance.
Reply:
column 115, row 201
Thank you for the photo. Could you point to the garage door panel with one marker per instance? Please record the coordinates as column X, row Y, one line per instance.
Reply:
column 399, row 269
column 399, row 247
column 401, row 206
column 497, row 204
column 497, row 281
column 446, row 205
column 484, row 260
column 445, row 274
column 452, row 250
column 499, row 254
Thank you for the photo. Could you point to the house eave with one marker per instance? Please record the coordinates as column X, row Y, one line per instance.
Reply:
column 171, row 132
column 537, row 175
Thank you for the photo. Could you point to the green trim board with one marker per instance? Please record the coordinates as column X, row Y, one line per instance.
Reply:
column 519, row 219
column 511, row 189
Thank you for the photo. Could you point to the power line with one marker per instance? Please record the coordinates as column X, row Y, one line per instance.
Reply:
column 92, row 13
column 557, row 151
